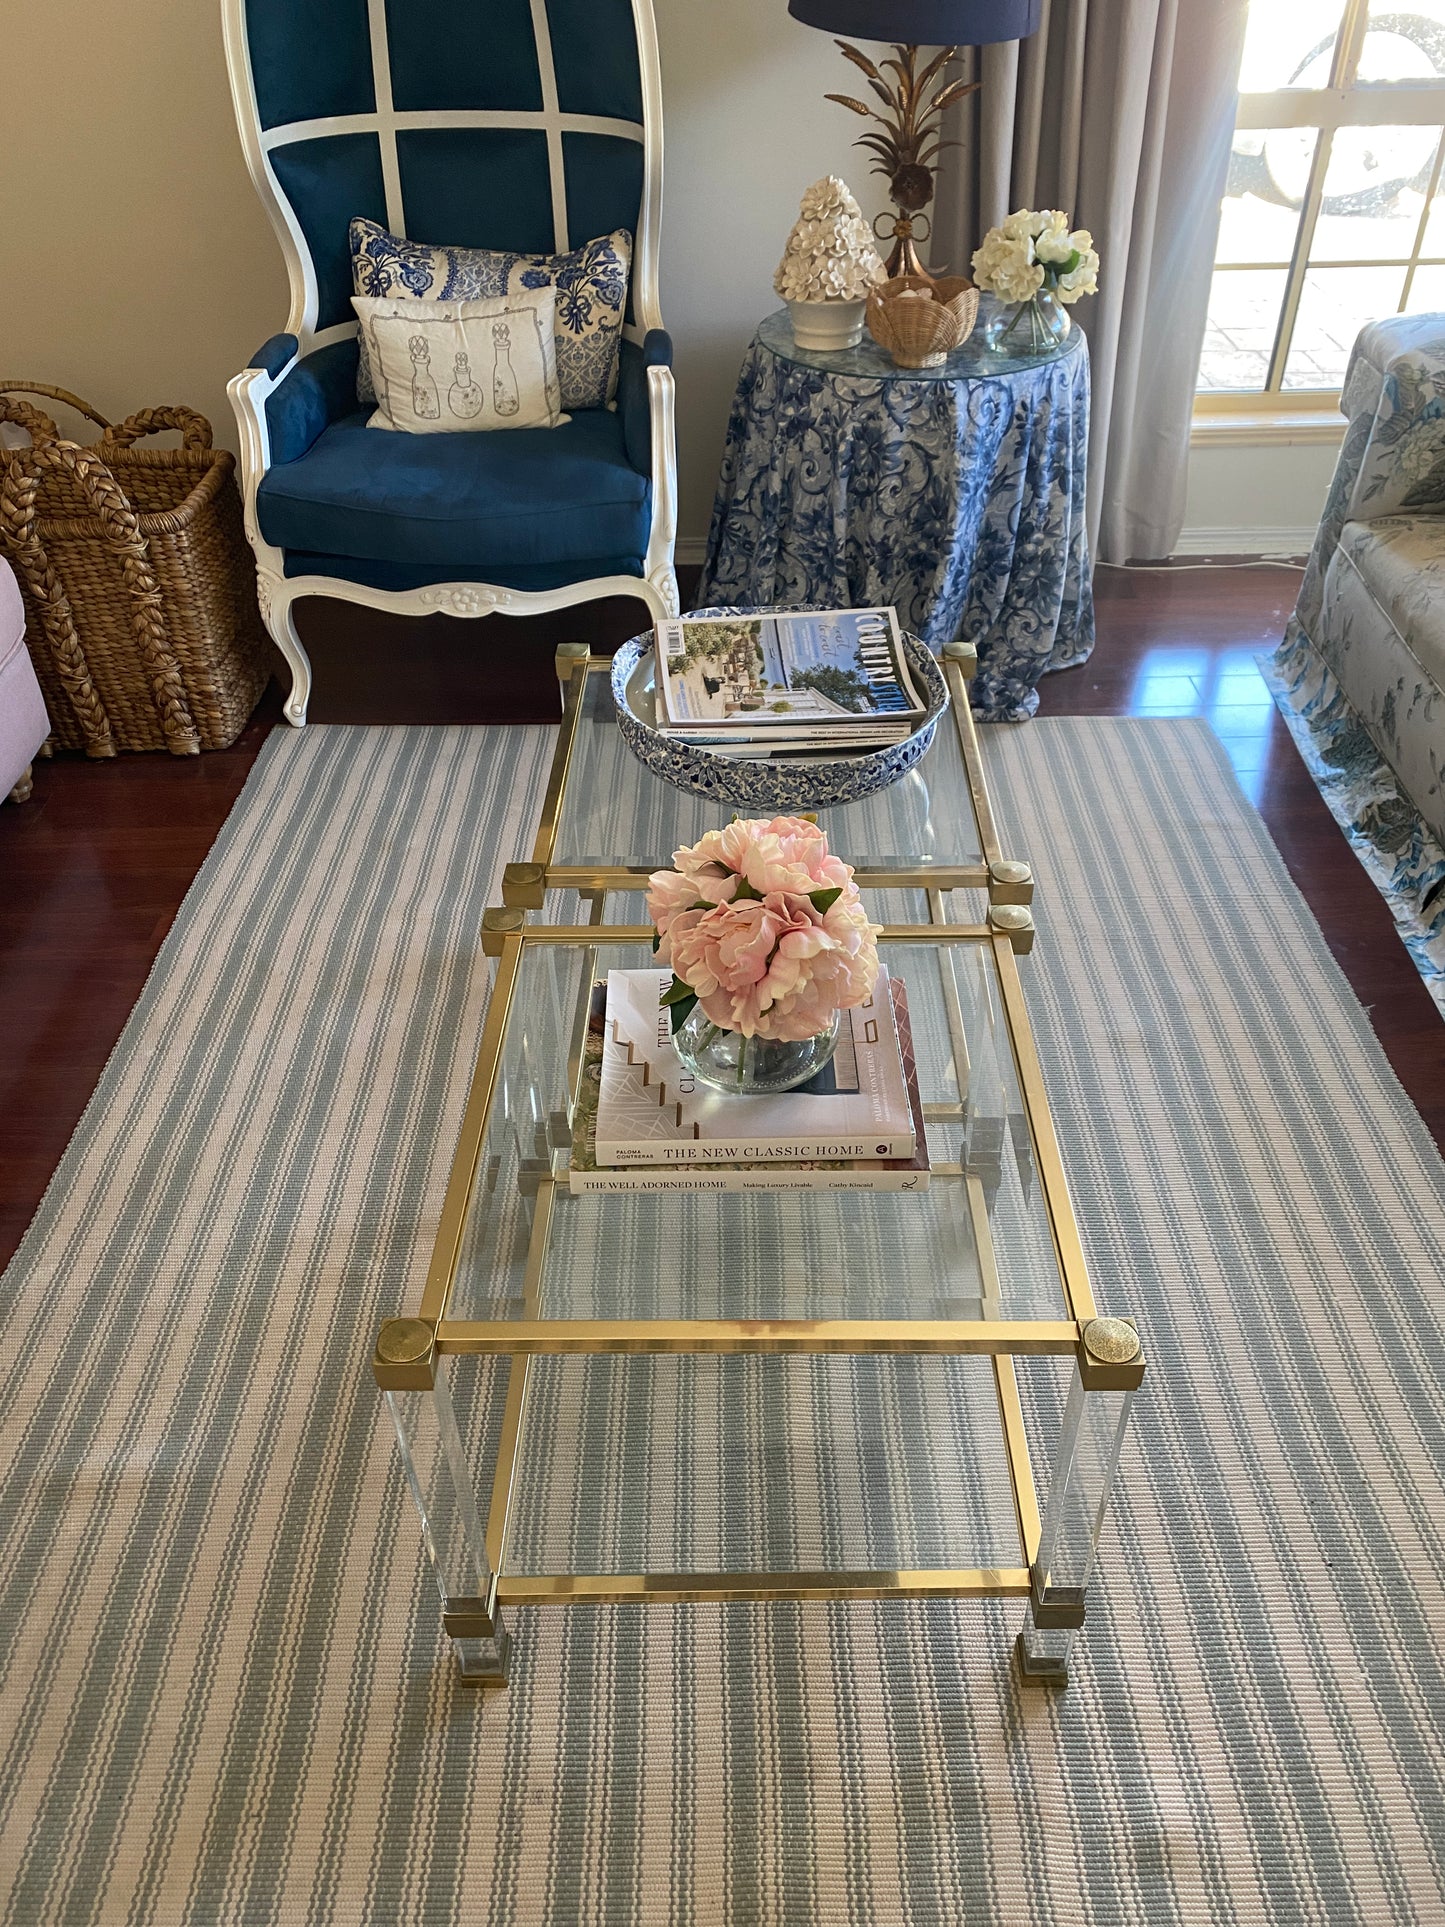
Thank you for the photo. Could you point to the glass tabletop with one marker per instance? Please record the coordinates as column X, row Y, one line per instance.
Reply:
column 616, row 812
column 977, row 1245
column 973, row 360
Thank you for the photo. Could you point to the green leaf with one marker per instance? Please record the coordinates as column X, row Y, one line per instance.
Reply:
column 823, row 900
column 656, row 942
column 676, row 991
column 745, row 891
column 681, row 1011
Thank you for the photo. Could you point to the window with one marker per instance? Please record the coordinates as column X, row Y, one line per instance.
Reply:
column 1334, row 210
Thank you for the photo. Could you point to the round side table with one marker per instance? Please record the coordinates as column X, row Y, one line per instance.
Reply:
column 955, row 493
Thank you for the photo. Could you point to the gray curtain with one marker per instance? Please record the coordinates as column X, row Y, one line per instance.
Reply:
column 1121, row 112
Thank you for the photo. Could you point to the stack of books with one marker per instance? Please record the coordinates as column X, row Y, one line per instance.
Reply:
column 786, row 685
column 643, row 1123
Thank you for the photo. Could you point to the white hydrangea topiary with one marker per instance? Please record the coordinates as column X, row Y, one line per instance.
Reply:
column 830, row 254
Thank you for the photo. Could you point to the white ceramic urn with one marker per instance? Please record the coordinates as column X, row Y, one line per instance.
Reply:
column 824, row 325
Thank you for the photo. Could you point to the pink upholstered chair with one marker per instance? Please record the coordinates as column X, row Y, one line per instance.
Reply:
column 24, row 724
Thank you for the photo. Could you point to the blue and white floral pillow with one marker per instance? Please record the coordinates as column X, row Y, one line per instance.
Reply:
column 591, row 284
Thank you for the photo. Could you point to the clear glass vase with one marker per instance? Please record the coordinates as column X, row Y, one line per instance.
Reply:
column 725, row 1060
column 1034, row 327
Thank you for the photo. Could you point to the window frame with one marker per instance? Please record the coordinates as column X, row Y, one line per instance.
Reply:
column 1311, row 414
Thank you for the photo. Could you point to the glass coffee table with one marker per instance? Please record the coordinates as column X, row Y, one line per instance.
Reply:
column 758, row 1396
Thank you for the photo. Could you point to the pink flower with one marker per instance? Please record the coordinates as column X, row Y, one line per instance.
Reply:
column 719, row 854
column 668, row 895
column 768, row 962
column 724, row 953
column 832, row 966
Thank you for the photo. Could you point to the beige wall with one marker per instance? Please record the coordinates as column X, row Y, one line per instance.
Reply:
column 138, row 267
column 747, row 130
column 1256, row 501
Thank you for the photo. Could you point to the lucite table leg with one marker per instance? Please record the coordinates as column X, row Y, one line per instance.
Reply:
column 451, row 1528
column 1087, row 1460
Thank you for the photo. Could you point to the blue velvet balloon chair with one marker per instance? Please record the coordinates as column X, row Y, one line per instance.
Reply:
column 528, row 125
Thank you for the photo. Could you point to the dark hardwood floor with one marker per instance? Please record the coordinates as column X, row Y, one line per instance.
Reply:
column 94, row 867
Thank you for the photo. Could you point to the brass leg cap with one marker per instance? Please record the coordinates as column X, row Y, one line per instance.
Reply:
column 1040, row 1672
column 491, row 1675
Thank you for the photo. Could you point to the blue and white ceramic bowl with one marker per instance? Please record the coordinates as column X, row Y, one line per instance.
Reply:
column 766, row 787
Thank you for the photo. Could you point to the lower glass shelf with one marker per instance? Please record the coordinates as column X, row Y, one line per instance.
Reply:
column 667, row 1467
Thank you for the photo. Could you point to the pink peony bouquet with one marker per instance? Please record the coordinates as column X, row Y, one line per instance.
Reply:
column 764, row 928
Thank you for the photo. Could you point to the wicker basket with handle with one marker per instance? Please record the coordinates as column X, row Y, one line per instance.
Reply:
column 139, row 588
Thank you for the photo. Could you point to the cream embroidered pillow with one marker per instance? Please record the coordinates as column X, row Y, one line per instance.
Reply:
column 591, row 284
column 451, row 367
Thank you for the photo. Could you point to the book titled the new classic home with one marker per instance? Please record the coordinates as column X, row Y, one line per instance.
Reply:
column 650, row 1110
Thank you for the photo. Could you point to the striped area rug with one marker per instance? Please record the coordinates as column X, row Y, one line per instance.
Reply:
column 222, row 1697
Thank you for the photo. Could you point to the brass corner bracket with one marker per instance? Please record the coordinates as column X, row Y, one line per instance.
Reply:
column 499, row 923
column 572, row 658
column 1111, row 1356
column 1010, row 882
column 965, row 654
column 523, row 885
column 1016, row 922
column 405, row 1355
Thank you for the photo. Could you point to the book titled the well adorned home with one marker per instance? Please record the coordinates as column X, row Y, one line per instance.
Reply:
column 827, row 676
column 650, row 1110
column 822, row 1174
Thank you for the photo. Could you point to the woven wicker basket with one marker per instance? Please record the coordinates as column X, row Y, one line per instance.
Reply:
column 921, row 320
column 139, row 587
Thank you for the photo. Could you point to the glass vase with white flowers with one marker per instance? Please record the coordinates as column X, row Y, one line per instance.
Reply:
column 1038, row 267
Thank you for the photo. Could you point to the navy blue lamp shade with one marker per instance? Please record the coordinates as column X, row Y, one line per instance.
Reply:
column 923, row 23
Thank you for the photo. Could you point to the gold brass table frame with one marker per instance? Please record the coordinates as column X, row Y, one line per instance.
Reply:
column 985, row 1267
column 972, row 857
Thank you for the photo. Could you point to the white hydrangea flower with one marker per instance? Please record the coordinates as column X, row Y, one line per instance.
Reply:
column 1035, row 248
column 1083, row 277
column 1022, row 283
column 1083, row 280
column 1054, row 245
column 1004, row 266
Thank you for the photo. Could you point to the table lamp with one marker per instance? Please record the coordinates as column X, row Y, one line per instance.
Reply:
column 910, row 138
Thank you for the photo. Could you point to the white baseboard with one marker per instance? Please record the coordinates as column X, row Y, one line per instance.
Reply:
column 691, row 551
column 1246, row 541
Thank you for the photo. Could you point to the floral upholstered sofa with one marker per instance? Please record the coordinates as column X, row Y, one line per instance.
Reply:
column 1361, row 671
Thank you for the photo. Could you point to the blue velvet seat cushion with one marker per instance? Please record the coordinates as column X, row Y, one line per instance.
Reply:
column 519, row 498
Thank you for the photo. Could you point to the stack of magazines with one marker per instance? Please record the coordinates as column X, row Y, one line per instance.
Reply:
column 786, row 685
column 643, row 1123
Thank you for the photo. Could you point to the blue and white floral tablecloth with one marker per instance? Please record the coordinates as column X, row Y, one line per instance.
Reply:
column 960, row 500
